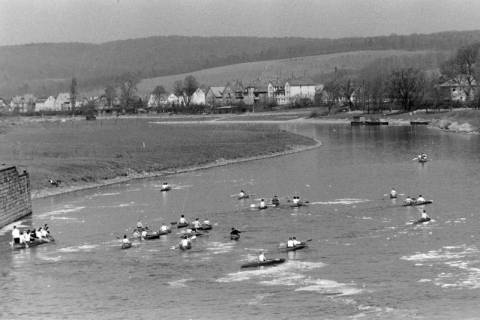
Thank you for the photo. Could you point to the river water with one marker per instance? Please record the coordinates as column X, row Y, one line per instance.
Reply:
column 365, row 260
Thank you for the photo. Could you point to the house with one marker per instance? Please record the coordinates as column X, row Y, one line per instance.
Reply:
column 299, row 89
column 214, row 96
column 62, row 103
column 198, row 97
column 4, row 107
column 461, row 89
column 23, row 104
column 173, row 100
column 155, row 101
column 276, row 92
column 228, row 96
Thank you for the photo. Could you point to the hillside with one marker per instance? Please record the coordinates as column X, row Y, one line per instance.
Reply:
column 48, row 68
column 313, row 67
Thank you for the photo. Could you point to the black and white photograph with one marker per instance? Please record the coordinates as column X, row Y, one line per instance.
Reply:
column 244, row 160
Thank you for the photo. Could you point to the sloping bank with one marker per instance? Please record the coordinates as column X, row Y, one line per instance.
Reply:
column 199, row 147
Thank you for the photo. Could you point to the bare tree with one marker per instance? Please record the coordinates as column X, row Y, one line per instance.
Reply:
column 73, row 94
column 407, row 87
column 190, row 85
column 110, row 94
column 128, row 88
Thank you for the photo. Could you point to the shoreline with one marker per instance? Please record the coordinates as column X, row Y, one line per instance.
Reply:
column 45, row 193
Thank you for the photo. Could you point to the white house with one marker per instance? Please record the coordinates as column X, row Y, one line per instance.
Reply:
column 198, row 97
column 460, row 89
column 276, row 92
column 45, row 105
column 299, row 89
column 63, row 101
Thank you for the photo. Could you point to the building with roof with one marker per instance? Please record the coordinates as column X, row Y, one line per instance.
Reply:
column 214, row 96
column 198, row 97
column 461, row 89
column 300, row 89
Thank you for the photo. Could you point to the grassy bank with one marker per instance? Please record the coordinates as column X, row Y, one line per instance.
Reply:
column 81, row 152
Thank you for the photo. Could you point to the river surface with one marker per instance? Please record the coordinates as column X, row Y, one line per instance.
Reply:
column 365, row 259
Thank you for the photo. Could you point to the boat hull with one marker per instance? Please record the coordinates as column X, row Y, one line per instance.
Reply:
column 257, row 264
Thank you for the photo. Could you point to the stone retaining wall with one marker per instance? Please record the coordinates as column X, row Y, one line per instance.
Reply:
column 15, row 199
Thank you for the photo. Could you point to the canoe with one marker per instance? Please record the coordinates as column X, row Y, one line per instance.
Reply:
column 422, row 220
column 416, row 203
column 393, row 196
column 296, row 205
column 270, row 262
column 205, row 227
column 162, row 233
column 165, row 189
column 234, row 237
column 152, row 236
column 34, row 243
column 182, row 225
column 297, row 247
column 126, row 245
column 187, row 247
column 422, row 160
column 243, row 197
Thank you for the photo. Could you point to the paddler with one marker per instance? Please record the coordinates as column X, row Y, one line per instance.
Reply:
column 295, row 241
column 393, row 193
column 261, row 257
column 275, row 201
column 196, row 224
column 125, row 240
column 144, row 233
column 409, row 200
column 182, row 220
column 15, row 235
column 165, row 186
column 185, row 242
column 262, row 204
column 163, row 228
column 296, row 200
column 420, row 199
column 290, row 243
column 425, row 216
column 242, row 194
column 139, row 225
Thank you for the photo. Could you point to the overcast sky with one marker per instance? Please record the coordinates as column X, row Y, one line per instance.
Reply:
column 27, row 21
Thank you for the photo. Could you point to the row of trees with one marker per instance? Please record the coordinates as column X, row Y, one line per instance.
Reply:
column 378, row 85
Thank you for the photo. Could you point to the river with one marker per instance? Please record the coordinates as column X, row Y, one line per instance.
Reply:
column 365, row 260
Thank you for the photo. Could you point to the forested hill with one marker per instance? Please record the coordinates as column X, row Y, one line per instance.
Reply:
column 47, row 68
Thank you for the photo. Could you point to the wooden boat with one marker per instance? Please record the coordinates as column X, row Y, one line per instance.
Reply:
column 126, row 245
column 152, row 236
column 256, row 264
column 34, row 243
column 205, row 227
column 296, row 247
column 182, row 225
column 417, row 203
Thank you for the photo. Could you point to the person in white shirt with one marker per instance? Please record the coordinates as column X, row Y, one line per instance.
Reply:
column 196, row 224
column 262, row 257
column 425, row 215
column 44, row 233
column 420, row 199
column 393, row 193
column 27, row 237
column 290, row 243
column 22, row 237
column 262, row 204
column 408, row 200
column 125, row 239
column 38, row 233
column 296, row 200
column 139, row 224
column 15, row 235
column 206, row 222
column 185, row 242
column 295, row 241
column 182, row 219
column 242, row 194
column 163, row 228
column 144, row 233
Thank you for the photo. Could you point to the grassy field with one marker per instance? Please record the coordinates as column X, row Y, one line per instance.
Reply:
column 283, row 69
column 78, row 151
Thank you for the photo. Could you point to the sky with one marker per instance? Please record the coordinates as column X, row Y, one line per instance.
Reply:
column 33, row 21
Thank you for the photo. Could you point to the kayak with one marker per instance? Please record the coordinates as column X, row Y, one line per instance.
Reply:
column 34, row 243
column 296, row 205
column 182, row 225
column 393, row 197
column 422, row 160
column 162, row 233
column 243, row 197
column 297, row 247
column 270, row 262
column 165, row 189
column 151, row 236
column 126, row 245
column 182, row 247
column 422, row 220
column 416, row 203
column 234, row 237
column 205, row 227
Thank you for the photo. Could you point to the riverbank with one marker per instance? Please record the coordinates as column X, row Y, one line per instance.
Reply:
column 90, row 154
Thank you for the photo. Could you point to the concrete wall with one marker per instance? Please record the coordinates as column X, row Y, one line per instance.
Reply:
column 15, row 199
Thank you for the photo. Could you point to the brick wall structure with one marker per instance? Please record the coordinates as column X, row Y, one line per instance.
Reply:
column 15, row 198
